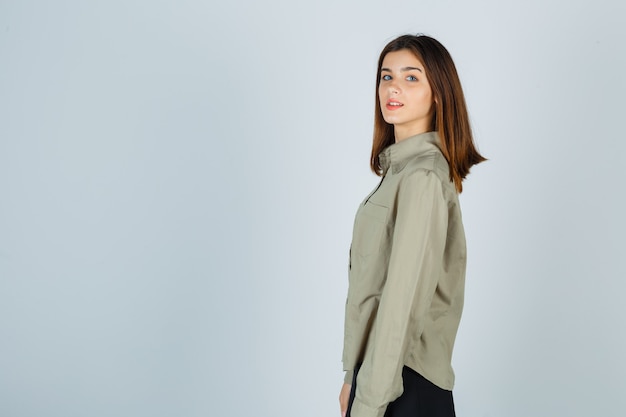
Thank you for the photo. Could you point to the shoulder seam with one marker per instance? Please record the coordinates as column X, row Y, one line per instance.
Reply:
column 428, row 163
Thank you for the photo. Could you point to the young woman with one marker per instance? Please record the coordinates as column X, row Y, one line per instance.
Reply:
column 407, row 258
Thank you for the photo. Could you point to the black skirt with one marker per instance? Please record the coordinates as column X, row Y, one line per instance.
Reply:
column 421, row 398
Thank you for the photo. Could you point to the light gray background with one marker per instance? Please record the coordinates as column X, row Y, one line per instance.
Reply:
column 178, row 181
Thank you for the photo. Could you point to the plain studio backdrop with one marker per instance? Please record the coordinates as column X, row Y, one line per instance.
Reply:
column 178, row 182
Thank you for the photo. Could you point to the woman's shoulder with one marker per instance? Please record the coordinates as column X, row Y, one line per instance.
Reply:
column 431, row 163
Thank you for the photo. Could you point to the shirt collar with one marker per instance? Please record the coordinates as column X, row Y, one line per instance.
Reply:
column 397, row 155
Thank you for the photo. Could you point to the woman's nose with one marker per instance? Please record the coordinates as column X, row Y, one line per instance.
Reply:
column 393, row 88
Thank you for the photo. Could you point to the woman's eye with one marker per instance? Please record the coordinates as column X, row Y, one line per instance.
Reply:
column 411, row 78
column 386, row 77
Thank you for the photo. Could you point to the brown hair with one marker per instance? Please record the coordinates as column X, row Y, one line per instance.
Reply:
column 450, row 118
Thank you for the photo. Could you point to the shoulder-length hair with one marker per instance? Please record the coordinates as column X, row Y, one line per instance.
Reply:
column 450, row 119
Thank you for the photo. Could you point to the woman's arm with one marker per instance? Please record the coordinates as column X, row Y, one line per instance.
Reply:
column 344, row 396
column 415, row 264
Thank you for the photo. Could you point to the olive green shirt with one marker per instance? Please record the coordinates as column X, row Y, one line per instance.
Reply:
column 406, row 277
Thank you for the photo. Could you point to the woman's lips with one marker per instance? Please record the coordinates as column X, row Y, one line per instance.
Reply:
column 393, row 105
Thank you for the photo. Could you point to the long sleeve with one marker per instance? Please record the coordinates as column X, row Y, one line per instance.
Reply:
column 415, row 264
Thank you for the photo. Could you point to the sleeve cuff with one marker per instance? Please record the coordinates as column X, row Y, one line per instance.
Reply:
column 349, row 377
column 361, row 410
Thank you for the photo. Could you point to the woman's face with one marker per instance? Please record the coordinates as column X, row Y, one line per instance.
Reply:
column 405, row 95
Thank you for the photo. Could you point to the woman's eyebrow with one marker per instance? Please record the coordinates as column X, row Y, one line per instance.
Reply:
column 403, row 69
